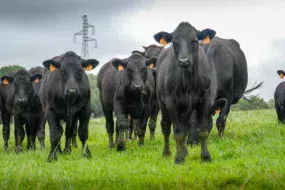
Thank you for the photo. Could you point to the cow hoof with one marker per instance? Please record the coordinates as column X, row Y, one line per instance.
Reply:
column 87, row 154
column 179, row 159
column 193, row 143
column 67, row 151
column 141, row 143
column 121, row 147
column 111, row 145
column 166, row 153
column 51, row 158
column 59, row 151
column 18, row 150
column 206, row 157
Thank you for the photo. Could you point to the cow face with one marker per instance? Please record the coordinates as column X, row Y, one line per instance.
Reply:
column 185, row 43
column 135, row 68
column 70, row 67
column 150, row 51
column 21, row 89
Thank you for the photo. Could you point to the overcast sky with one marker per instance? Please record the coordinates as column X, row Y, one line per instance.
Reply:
column 32, row 31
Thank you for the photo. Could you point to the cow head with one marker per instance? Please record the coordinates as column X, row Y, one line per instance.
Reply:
column 135, row 68
column 150, row 51
column 71, row 68
column 185, row 43
column 21, row 89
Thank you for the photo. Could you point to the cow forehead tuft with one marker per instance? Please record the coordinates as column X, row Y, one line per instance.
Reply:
column 185, row 27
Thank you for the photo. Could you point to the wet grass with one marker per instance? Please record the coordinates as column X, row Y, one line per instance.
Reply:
column 251, row 156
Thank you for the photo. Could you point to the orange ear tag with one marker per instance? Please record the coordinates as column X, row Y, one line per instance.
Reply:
column 151, row 66
column 207, row 40
column 218, row 111
column 88, row 68
column 37, row 80
column 162, row 41
column 52, row 67
column 121, row 68
column 5, row 81
column 281, row 76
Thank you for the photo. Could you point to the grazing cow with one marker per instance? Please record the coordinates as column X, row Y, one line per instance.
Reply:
column 65, row 94
column 126, row 87
column 24, row 103
column 151, row 51
column 186, row 82
column 6, row 116
column 279, row 97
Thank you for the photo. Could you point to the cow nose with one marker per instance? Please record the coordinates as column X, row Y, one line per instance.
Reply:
column 184, row 62
column 22, row 101
column 72, row 91
column 137, row 86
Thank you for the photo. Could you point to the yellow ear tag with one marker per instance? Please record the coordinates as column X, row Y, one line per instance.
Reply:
column 121, row 68
column 162, row 41
column 52, row 67
column 37, row 80
column 207, row 40
column 5, row 81
column 218, row 111
column 281, row 76
column 151, row 66
column 88, row 68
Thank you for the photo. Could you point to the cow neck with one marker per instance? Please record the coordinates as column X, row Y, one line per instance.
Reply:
column 136, row 96
column 187, row 78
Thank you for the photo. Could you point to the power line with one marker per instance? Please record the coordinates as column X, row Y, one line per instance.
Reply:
column 85, row 38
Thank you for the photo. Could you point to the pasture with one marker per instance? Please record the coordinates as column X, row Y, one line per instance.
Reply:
column 250, row 156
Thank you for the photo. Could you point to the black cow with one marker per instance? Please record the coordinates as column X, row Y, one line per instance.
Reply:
column 151, row 51
column 6, row 116
column 186, row 82
column 24, row 103
column 279, row 97
column 65, row 94
column 126, row 87
column 37, row 85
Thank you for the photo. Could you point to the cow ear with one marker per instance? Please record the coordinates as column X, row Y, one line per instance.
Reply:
column 151, row 63
column 51, row 65
column 7, row 79
column 281, row 74
column 163, row 38
column 89, row 64
column 218, row 106
column 206, row 35
column 36, row 78
column 139, row 52
column 119, row 64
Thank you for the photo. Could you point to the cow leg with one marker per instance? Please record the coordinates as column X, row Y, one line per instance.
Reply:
column 19, row 133
column 6, row 118
column 122, row 124
column 152, row 121
column 55, row 129
column 109, row 125
column 166, row 130
column 193, row 134
column 74, row 135
column 69, row 131
column 41, row 131
column 221, row 121
column 205, row 123
column 31, row 136
column 84, row 118
column 131, row 127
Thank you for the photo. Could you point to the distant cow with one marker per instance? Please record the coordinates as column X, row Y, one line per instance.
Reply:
column 151, row 51
column 126, row 87
column 186, row 82
column 24, row 103
column 65, row 94
column 5, row 115
column 279, row 97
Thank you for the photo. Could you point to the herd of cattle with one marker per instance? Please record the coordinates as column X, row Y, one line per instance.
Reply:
column 196, row 77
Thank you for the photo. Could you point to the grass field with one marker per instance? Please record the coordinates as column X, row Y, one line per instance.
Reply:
column 251, row 156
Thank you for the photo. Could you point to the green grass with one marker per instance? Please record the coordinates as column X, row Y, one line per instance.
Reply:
column 251, row 156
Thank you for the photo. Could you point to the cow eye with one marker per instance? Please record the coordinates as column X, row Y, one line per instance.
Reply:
column 62, row 72
column 28, row 86
column 194, row 42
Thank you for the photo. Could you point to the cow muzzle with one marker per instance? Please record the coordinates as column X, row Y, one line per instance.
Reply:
column 22, row 102
column 185, row 62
